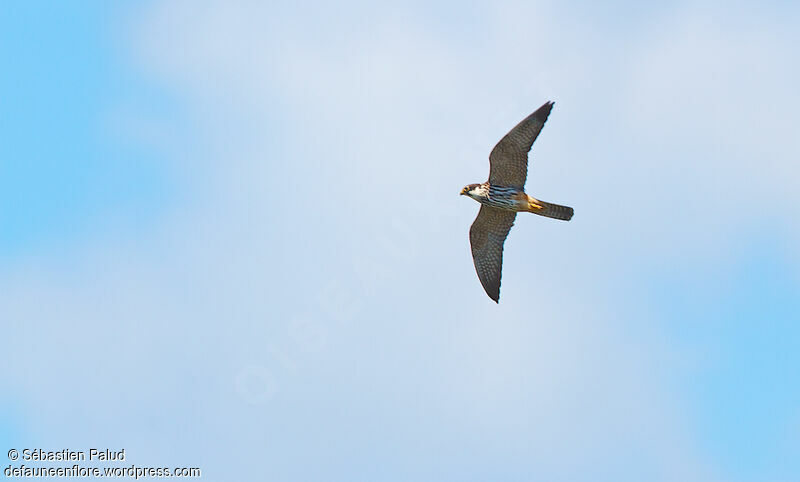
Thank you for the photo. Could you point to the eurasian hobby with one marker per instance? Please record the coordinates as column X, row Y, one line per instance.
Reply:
column 502, row 197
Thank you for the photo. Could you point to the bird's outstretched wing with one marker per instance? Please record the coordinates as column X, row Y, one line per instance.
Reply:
column 486, row 236
column 508, row 162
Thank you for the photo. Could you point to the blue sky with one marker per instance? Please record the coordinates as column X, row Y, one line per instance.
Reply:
column 61, row 173
column 230, row 237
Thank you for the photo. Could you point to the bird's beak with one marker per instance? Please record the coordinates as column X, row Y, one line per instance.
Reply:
column 463, row 191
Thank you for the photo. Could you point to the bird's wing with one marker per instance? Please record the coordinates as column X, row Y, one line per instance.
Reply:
column 508, row 162
column 486, row 236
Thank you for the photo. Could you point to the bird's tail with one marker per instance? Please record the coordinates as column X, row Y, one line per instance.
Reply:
column 555, row 211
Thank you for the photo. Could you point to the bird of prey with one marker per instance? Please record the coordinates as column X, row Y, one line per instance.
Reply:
column 503, row 196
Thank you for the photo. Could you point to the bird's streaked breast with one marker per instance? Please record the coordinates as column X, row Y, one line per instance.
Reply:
column 507, row 198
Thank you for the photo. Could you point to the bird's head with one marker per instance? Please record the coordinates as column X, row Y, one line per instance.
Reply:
column 467, row 190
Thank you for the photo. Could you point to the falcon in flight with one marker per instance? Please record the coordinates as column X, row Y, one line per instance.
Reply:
column 502, row 197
